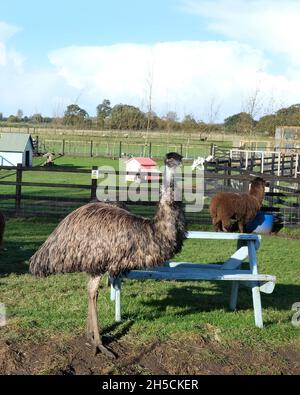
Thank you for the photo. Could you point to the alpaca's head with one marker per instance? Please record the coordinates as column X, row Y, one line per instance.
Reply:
column 257, row 188
column 258, row 182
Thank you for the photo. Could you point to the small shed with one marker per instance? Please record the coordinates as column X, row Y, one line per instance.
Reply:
column 142, row 165
column 16, row 148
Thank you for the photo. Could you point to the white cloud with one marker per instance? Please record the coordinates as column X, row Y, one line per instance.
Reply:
column 270, row 25
column 187, row 75
column 7, row 30
column 36, row 90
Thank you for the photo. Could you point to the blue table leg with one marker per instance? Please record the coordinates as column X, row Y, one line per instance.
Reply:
column 255, row 289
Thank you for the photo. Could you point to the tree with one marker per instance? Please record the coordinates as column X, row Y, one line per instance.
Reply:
column 149, row 95
column 126, row 117
column 36, row 118
column 75, row 116
column 19, row 115
column 103, row 112
column 152, row 120
column 289, row 116
column 189, row 123
column 267, row 124
column 239, row 123
column 253, row 105
column 172, row 121
column 12, row 119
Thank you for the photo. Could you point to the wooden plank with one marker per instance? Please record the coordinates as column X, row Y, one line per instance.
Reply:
column 235, row 261
column 46, row 184
column 189, row 265
column 223, row 236
column 199, row 274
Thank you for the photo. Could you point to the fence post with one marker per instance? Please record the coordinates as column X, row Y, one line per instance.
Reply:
column 297, row 165
column 120, row 150
column 229, row 172
column 18, row 188
column 37, row 144
column 150, row 149
column 217, row 166
column 246, row 184
column 273, row 164
column 181, row 149
column 63, row 147
column 282, row 164
column 292, row 166
column 91, row 149
column 252, row 161
column 213, row 150
column 94, row 185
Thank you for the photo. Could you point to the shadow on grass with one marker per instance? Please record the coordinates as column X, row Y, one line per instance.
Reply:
column 119, row 329
column 195, row 299
column 14, row 257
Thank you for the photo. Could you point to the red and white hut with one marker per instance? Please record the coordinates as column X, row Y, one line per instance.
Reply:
column 142, row 165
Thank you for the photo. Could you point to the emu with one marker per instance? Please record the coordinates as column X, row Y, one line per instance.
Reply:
column 242, row 207
column 100, row 237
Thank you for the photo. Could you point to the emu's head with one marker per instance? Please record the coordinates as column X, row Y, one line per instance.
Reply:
column 173, row 160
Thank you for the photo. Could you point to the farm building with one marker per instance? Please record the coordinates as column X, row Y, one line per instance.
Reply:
column 16, row 148
column 142, row 165
column 287, row 137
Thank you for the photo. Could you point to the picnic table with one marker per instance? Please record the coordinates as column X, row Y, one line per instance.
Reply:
column 231, row 270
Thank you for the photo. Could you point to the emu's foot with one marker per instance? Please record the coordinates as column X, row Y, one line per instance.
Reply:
column 104, row 350
column 98, row 346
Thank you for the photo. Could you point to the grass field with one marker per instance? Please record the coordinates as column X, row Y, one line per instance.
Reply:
column 55, row 307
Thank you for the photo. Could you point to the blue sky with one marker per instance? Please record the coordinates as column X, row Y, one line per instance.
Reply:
column 50, row 24
column 204, row 57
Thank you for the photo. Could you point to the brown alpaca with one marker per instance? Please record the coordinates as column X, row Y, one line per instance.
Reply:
column 2, row 227
column 100, row 237
column 242, row 207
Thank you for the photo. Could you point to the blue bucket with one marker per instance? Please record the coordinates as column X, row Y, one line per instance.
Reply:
column 262, row 223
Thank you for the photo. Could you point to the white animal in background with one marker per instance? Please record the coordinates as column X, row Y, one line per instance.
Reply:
column 199, row 163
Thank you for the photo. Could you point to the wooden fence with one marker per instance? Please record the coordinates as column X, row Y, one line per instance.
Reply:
column 29, row 192
column 264, row 162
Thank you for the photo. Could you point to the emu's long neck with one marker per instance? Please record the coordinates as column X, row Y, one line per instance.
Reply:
column 169, row 185
column 169, row 215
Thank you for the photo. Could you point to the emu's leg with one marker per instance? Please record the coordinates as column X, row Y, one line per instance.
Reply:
column 92, row 324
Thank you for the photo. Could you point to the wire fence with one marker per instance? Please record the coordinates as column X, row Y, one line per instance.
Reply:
column 55, row 192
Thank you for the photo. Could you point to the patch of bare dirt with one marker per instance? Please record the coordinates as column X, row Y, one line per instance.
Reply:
column 193, row 355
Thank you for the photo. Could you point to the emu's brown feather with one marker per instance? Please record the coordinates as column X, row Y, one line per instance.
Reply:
column 100, row 237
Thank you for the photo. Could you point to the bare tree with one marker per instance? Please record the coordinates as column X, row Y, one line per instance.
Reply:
column 253, row 104
column 149, row 93
column 212, row 113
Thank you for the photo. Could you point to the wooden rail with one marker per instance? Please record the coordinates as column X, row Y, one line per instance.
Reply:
column 217, row 177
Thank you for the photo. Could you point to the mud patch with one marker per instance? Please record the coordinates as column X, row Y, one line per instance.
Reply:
column 193, row 355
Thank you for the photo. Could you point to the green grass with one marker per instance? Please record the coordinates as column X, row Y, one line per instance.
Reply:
column 57, row 306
